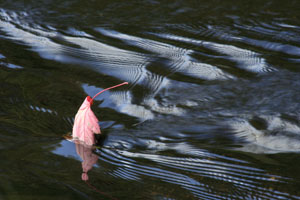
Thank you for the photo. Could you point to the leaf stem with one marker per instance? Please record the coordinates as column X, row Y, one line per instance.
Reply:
column 125, row 83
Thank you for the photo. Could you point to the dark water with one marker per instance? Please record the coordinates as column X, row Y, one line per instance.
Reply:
column 211, row 112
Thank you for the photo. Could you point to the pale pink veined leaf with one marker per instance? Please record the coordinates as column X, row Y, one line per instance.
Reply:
column 86, row 123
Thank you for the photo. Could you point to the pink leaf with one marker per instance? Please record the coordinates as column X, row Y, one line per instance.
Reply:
column 86, row 123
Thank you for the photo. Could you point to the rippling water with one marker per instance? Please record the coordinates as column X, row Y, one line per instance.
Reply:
column 211, row 110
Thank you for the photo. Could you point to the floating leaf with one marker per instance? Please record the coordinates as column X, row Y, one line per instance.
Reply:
column 86, row 123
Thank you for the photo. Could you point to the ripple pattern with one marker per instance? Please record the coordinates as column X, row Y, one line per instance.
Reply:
column 211, row 110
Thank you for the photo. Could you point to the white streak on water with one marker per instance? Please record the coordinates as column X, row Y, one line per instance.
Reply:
column 245, row 59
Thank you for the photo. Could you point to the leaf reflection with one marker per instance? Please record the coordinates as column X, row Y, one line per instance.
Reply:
column 89, row 159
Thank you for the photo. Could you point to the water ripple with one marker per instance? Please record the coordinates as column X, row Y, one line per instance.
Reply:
column 245, row 59
column 244, row 180
column 210, row 112
column 179, row 58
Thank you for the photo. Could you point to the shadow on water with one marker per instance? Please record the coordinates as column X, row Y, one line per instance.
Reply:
column 211, row 110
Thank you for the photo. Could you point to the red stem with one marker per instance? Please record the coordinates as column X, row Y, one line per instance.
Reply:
column 125, row 83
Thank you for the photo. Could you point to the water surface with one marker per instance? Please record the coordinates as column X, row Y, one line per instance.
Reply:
column 211, row 110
